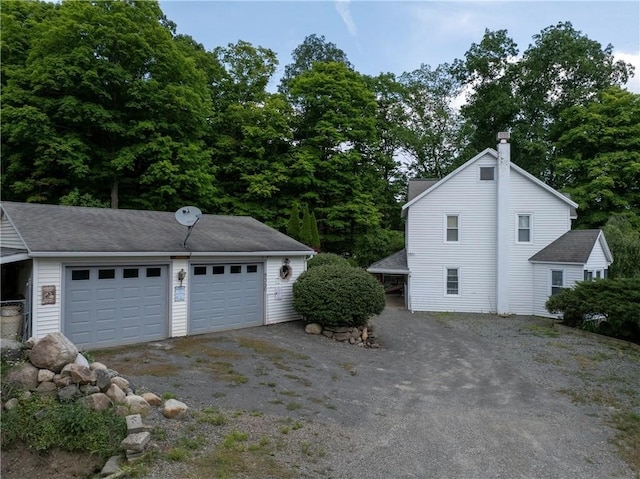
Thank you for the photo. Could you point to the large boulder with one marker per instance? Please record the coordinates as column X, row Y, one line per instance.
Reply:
column 174, row 409
column 97, row 401
column 23, row 376
column 53, row 352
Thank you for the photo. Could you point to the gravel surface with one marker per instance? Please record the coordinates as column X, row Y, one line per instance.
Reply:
column 446, row 396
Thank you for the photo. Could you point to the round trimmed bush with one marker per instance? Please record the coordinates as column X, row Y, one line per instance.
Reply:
column 334, row 295
column 324, row 259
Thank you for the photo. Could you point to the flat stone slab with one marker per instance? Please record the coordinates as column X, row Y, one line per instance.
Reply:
column 134, row 424
column 136, row 442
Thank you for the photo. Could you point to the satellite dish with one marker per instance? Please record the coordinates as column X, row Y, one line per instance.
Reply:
column 188, row 216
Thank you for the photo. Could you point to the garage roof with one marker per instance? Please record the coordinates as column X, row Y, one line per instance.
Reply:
column 54, row 229
column 574, row 246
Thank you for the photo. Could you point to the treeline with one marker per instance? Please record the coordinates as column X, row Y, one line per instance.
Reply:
column 103, row 104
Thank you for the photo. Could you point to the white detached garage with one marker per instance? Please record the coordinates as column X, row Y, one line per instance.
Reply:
column 108, row 277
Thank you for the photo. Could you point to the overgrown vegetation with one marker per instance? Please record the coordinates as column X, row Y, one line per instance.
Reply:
column 335, row 295
column 324, row 259
column 43, row 423
column 606, row 306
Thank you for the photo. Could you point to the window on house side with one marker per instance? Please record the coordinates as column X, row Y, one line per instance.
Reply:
column 487, row 173
column 524, row 228
column 557, row 281
column 453, row 282
column 453, row 233
column 588, row 275
column 598, row 274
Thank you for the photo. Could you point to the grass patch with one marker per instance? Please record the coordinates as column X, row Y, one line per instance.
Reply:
column 178, row 454
column 293, row 406
column 541, row 330
column 236, row 457
column 628, row 438
column 168, row 395
column 292, row 394
column 223, row 371
column 304, row 381
column 211, row 415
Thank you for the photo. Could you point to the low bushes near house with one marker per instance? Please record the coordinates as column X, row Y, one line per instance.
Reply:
column 43, row 423
column 606, row 306
column 323, row 259
column 336, row 295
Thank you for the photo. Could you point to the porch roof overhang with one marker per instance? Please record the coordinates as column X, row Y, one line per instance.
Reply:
column 13, row 255
column 393, row 264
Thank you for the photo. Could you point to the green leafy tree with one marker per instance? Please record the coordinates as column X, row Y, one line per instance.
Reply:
column 623, row 238
column 109, row 105
column 315, row 234
column 324, row 259
column 312, row 50
column 431, row 129
column 598, row 152
column 306, row 229
column 331, row 169
column 293, row 225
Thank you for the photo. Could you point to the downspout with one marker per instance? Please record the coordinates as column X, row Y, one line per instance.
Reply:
column 502, row 224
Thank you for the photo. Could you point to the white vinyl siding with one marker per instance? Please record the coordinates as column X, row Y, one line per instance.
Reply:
column 178, row 309
column 549, row 221
column 597, row 262
column 279, row 292
column 10, row 238
column 428, row 255
column 572, row 273
column 452, row 229
column 46, row 318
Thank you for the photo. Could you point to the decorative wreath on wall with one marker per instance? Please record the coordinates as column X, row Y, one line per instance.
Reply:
column 285, row 270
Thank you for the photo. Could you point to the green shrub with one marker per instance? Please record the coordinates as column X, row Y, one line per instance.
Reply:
column 324, row 259
column 335, row 295
column 616, row 300
column 43, row 423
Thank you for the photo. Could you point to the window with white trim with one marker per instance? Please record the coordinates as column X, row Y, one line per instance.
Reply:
column 452, row 286
column 557, row 281
column 524, row 229
column 487, row 173
column 452, row 233
column 588, row 275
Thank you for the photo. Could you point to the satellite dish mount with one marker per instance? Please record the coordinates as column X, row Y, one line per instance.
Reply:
column 188, row 216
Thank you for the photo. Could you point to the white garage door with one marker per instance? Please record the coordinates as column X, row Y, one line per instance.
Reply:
column 225, row 296
column 116, row 305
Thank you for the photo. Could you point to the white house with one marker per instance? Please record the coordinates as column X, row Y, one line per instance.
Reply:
column 107, row 277
column 490, row 237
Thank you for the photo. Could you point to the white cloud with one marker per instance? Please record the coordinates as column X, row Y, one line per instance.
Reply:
column 342, row 6
column 633, row 85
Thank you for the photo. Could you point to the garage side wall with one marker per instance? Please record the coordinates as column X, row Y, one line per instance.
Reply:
column 279, row 292
column 179, row 309
column 46, row 317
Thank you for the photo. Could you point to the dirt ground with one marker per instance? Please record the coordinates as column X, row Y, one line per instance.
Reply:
column 20, row 462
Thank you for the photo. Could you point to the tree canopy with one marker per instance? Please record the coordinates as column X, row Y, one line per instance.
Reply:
column 105, row 105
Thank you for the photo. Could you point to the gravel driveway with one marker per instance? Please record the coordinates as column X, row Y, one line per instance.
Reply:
column 445, row 396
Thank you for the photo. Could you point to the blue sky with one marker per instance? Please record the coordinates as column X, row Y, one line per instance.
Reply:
column 393, row 36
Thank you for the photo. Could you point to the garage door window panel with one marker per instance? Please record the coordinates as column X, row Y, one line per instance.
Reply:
column 80, row 275
column 217, row 270
column 129, row 273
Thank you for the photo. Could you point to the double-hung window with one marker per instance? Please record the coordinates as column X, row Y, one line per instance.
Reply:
column 452, row 233
column 557, row 281
column 524, row 228
column 452, row 282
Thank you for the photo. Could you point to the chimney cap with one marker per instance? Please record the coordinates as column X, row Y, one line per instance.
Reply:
column 504, row 135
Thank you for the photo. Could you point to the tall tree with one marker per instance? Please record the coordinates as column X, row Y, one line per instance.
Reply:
column 108, row 105
column 331, row 170
column 313, row 49
column 599, row 156
column 487, row 74
column 430, row 134
column 562, row 68
column 251, row 135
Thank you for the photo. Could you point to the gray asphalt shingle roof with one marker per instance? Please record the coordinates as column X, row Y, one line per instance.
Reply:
column 55, row 228
column 418, row 185
column 574, row 246
column 393, row 264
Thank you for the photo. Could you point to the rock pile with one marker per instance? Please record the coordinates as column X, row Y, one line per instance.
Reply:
column 53, row 366
column 361, row 335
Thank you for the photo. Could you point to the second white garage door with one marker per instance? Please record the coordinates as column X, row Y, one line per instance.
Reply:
column 225, row 296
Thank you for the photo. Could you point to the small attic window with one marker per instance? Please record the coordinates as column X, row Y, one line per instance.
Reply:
column 487, row 173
